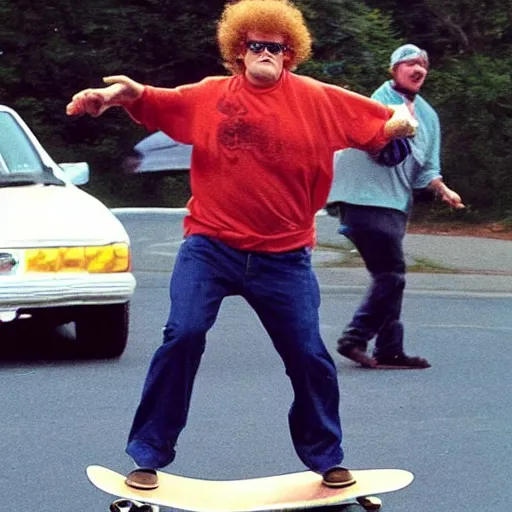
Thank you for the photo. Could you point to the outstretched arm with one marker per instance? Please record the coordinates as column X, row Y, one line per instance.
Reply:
column 121, row 91
column 363, row 123
column 169, row 110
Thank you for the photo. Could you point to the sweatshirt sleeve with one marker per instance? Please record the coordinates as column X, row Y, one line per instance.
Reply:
column 431, row 168
column 169, row 110
column 360, row 120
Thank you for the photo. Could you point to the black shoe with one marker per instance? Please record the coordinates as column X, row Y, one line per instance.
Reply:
column 356, row 354
column 402, row 362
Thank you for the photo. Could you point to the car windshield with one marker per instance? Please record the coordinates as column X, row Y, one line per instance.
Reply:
column 20, row 163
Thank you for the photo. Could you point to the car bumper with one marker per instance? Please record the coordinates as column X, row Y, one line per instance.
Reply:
column 44, row 290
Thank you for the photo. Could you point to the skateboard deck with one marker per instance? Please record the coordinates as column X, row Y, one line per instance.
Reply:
column 283, row 492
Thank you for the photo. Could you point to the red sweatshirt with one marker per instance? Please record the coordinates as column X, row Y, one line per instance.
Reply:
column 262, row 158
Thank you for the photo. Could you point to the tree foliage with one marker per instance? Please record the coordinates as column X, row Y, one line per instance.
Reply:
column 352, row 43
column 50, row 50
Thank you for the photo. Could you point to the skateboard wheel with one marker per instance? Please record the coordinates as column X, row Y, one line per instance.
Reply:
column 124, row 505
column 370, row 503
column 121, row 505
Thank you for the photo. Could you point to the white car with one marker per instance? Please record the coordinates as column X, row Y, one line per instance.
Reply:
column 64, row 256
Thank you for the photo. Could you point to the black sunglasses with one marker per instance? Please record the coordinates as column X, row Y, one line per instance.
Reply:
column 259, row 46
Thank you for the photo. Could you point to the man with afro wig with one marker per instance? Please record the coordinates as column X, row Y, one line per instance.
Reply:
column 261, row 167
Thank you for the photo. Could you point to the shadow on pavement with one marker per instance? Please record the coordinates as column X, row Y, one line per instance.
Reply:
column 29, row 341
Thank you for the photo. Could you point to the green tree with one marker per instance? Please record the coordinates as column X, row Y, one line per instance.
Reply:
column 352, row 43
column 475, row 107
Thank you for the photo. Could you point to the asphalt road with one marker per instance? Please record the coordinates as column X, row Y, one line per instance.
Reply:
column 451, row 425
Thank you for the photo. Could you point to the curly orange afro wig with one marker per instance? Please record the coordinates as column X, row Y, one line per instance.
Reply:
column 267, row 16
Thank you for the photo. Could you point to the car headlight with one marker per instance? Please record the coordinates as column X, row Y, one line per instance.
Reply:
column 94, row 259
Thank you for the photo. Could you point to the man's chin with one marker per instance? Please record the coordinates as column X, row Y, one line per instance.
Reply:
column 265, row 68
column 411, row 88
column 266, row 76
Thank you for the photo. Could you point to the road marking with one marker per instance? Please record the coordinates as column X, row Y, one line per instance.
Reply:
column 439, row 326
column 357, row 289
column 466, row 326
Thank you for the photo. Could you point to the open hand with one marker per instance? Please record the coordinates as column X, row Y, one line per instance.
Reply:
column 452, row 198
column 121, row 91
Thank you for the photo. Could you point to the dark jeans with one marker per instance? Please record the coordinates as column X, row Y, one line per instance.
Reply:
column 283, row 291
column 378, row 235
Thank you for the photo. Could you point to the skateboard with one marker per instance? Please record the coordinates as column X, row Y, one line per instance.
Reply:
column 283, row 492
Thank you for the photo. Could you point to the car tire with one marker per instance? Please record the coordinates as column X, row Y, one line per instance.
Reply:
column 102, row 331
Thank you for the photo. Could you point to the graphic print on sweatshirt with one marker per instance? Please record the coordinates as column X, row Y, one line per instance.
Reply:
column 247, row 135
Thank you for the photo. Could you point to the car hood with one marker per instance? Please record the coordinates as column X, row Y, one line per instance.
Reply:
column 39, row 215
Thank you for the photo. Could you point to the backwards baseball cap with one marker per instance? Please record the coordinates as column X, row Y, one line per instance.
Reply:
column 405, row 53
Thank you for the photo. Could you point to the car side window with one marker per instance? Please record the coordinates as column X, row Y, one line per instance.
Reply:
column 16, row 152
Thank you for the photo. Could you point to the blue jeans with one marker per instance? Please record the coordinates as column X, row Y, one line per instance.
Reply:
column 283, row 291
column 378, row 235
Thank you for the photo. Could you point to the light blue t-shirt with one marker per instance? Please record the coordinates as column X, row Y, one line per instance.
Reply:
column 358, row 179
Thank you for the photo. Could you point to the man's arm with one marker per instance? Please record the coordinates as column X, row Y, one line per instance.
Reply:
column 364, row 123
column 122, row 91
column 430, row 174
column 169, row 110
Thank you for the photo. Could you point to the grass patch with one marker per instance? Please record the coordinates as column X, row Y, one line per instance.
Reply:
column 352, row 259
column 342, row 263
column 342, row 247
column 429, row 266
column 348, row 257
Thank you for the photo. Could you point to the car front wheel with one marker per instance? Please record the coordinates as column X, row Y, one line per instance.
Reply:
column 102, row 331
